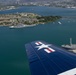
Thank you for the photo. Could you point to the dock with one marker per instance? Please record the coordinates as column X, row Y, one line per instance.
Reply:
column 70, row 47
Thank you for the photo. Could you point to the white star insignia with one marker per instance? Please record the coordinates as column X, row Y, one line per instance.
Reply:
column 43, row 46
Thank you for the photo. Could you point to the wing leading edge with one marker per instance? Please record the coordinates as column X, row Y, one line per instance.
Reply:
column 47, row 59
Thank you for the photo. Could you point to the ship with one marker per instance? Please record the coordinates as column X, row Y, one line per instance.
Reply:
column 21, row 26
column 70, row 47
column 18, row 26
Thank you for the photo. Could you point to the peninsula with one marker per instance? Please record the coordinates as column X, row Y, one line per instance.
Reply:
column 18, row 20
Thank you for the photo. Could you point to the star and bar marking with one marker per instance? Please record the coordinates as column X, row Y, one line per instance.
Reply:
column 46, row 48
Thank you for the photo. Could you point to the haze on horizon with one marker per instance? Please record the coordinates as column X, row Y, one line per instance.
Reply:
column 10, row 2
column 31, row 0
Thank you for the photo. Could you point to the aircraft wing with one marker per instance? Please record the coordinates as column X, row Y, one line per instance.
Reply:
column 47, row 59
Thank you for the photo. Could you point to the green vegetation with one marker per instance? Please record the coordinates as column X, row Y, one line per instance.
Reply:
column 42, row 19
column 46, row 19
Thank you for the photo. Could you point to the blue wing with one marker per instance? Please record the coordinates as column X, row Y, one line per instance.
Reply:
column 47, row 59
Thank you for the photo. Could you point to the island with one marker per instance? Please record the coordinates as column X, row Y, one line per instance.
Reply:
column 19, row 20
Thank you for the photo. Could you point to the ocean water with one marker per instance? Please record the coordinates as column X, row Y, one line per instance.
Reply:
column 13, row 58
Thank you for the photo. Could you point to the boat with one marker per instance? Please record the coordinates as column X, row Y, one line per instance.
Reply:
column 59, row 22
column 17, row 26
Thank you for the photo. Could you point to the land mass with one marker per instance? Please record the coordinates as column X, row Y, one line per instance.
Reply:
column 19, row 20
column 3, row 8
column 51, row 3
